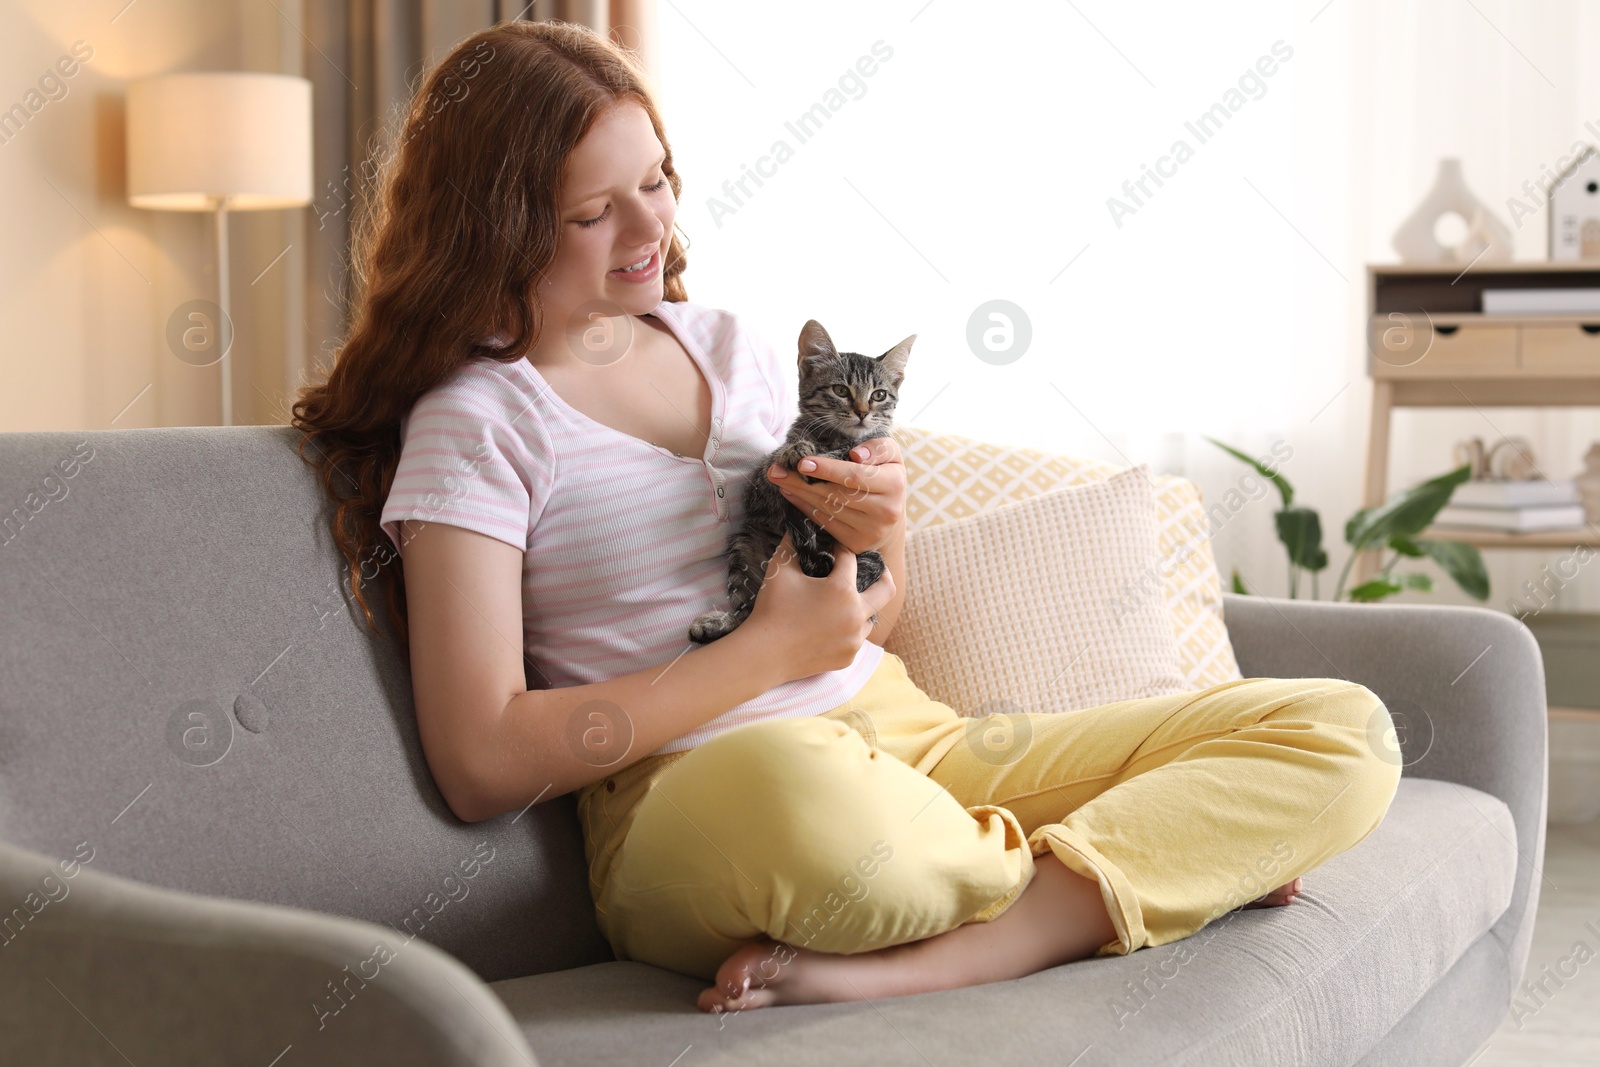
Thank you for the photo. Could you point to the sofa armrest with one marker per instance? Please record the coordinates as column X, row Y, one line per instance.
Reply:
column 95, row 968
column 1464, row 685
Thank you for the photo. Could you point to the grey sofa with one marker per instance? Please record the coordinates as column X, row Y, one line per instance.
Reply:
column 220, row 843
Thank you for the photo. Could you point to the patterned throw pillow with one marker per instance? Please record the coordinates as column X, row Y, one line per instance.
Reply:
column 1017, row 608
column 952, row 477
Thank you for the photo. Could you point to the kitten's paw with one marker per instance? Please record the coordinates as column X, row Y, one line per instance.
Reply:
column 869, row 568
column 710, row 626
column 789, row 456
column 816, row 563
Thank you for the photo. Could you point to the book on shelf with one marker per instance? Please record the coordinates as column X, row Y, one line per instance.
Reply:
column 1487, row 493
column 1513, row 519
column 1541, row 301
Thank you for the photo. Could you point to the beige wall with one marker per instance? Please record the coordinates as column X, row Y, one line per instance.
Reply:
column 87, row 282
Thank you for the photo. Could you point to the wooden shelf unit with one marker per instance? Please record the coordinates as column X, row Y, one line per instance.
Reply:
column 1506, row 539
column 1430, row 345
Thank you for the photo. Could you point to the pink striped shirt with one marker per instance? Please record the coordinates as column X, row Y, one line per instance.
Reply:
column 623, row 541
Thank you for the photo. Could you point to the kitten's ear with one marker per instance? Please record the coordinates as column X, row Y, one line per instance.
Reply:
column 815, row 342
column 894, row 360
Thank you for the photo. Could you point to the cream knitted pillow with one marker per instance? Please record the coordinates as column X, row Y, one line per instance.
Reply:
column 952, row 477
column 1023, row 607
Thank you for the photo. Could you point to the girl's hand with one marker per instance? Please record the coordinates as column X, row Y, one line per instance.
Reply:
column 814, row 624
column 861, row 504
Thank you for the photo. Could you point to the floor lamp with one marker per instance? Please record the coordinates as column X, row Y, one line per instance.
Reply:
column 220, row 142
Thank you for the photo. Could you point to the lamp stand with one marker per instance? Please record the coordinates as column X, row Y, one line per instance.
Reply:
column 225, row 327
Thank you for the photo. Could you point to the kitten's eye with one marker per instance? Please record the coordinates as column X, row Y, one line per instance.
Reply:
column 878, row 395
column 840, row 390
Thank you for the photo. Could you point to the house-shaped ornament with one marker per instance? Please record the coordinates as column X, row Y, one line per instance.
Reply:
column 1574, row 200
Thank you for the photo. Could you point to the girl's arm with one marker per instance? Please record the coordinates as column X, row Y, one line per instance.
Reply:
column 894, row 559
column 494, row 746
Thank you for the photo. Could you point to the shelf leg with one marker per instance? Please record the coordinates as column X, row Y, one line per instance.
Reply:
column 1377, row 473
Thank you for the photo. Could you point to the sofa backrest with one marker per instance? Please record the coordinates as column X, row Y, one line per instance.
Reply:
column 186, row 686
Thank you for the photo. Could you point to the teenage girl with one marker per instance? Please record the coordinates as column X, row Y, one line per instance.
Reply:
column 530, row 412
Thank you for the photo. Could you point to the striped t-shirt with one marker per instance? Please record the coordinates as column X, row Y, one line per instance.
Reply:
column 623, row 541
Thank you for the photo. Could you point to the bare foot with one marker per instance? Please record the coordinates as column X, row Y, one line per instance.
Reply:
column 1280, row 896
column 1058, row 917
column 767, row 972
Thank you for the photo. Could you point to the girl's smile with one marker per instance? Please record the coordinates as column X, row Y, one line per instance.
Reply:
column 649, row 272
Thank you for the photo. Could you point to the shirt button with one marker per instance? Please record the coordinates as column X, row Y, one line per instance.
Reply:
column 719, row 490
column 611, row 786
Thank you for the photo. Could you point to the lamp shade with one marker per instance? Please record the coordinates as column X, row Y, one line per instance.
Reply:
column 243, row 139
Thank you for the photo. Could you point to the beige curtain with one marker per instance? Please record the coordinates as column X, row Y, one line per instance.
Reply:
column 363, row 57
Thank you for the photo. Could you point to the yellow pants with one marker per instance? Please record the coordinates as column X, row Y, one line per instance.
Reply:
column 892, row 818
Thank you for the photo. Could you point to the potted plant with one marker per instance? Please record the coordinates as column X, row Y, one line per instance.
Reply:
column 1393, row 525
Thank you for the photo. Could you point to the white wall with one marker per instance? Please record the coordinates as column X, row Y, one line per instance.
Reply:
column 979, row 161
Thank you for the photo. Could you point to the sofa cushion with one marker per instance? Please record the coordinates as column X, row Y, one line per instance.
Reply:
column 1017, row 609
column 1317, row 982
column 951, row 477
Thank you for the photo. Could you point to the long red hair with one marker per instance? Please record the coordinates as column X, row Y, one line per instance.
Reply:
column 461, row 223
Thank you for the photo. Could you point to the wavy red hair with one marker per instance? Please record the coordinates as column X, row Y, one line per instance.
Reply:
column 460, row 225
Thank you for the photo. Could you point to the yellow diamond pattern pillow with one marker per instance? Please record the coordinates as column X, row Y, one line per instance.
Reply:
column 951, row 477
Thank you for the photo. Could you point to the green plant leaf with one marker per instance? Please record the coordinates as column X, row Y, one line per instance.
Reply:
column 1353, row 523
column 1406, row 546
column 1285, row 490
column 1376, row 589
column 1417, row 580
column 1238, row 584
column 1462, row 562
column 1300, row 530
column 1406, row 513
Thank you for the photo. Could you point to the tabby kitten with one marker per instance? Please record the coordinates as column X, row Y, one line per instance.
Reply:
column 845, row 398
